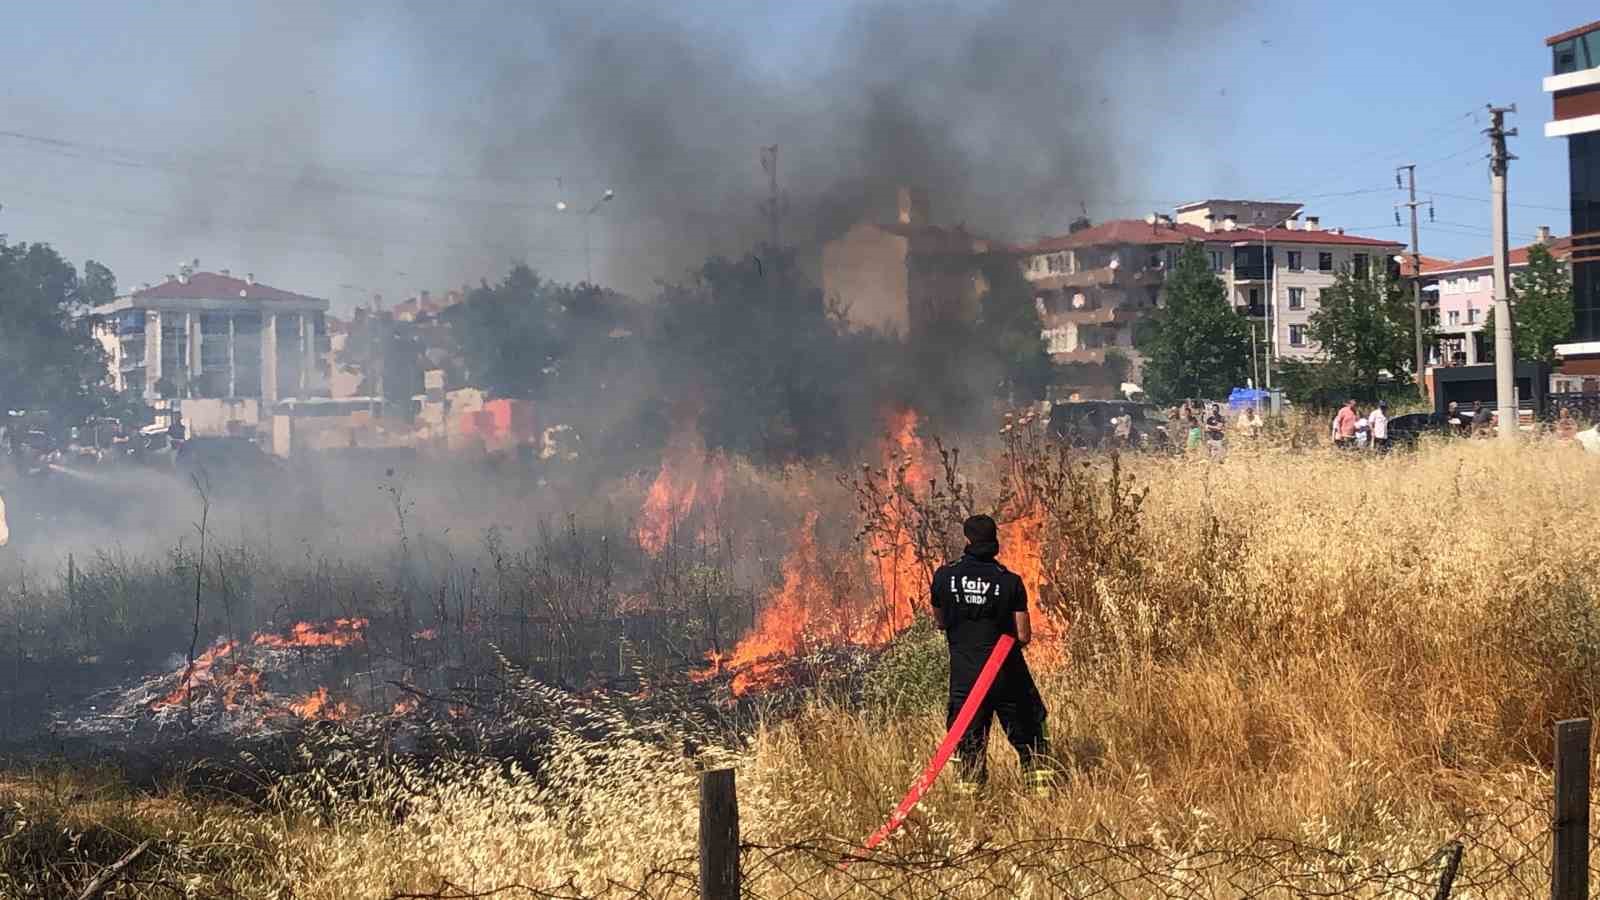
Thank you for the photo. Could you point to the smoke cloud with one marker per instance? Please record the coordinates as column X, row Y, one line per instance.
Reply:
column 1013, row 115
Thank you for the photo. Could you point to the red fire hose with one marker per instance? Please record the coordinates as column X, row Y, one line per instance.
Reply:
column 947, row 747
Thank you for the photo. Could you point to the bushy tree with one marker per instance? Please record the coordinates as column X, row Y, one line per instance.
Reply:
column 49, row 357
column 1197, row 346
column 1364, row 326
column 528, row 337
column 1010, row 325
column 1543, row 314
column 774, row 370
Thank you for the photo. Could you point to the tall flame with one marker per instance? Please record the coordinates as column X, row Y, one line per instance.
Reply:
column 691, row 481
column 890, row 551
column 806, row 611
column 1022, row 551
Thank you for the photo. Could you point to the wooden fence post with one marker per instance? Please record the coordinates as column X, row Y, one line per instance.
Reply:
column 719, row 836
column 1452, row 865
column 1569, row 868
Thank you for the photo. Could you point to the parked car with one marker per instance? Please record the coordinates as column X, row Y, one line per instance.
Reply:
column 1405, row 431
column 1088, row 424
column 223, row 458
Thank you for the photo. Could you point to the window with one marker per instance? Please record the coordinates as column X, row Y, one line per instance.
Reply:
column 1581, row 52
column 1294, row 260
column 1359, row 262
column 1472, row 315
column 1255, row 296
column 1324, row 261
column 1454, row 316
column 1297, row 298
column 1216, row 260
column 1297, row 335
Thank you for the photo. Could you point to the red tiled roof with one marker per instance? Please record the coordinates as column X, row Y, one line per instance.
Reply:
column 1134, row 231
column 1581, row 29
column 1560, row 248
column 212, row 286
column 1429, row 263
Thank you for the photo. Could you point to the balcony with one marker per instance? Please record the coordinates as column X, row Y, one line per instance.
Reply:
column 1105, row 276
column 1096, row 356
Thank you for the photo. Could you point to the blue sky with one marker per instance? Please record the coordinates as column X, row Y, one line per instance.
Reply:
column 168, row 110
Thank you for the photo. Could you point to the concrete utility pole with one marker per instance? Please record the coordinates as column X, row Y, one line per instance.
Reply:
column 769, row 164
column 1505, row 360
column 1416, row 265
column 772, row 208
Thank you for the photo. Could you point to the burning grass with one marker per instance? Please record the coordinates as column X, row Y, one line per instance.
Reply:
column 1352, row 659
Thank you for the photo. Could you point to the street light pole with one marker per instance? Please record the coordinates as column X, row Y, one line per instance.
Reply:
column 588, row 264
column 1271, row 282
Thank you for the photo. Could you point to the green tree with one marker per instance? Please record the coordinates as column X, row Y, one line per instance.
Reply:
column 526, row 336
column 773, row 368
column 1197, row 346
column 1543, row 315
column 1010, row 326
column 49, row 357
column 1365, row 326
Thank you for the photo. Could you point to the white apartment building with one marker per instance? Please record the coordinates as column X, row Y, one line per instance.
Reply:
column 221, row 350
column 1093, row 284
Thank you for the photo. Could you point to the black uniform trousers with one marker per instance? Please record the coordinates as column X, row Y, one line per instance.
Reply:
column 1015, row 700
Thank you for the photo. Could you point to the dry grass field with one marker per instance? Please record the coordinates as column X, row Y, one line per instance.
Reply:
column 1295, row 672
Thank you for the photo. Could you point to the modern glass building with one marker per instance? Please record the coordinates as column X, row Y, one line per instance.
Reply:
column 1574, row 84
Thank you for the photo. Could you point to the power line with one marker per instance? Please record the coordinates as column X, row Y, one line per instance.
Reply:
column 1360, row 160
column 113, row 152
column 310, row 177
column 1487, row 200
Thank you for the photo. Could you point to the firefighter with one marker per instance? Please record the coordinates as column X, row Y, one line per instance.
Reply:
column 975, row 601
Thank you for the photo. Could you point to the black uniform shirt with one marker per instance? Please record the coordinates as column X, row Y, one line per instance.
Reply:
column 979, row 600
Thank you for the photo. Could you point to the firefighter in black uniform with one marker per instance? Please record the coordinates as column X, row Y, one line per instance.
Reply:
column 975, row 601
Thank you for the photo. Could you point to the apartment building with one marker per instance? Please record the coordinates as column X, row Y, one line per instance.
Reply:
column 900, row 276
column 1094, row 284
column 220, row 350
column 1574, row 86
column 1276, row 264
column 1465, row 293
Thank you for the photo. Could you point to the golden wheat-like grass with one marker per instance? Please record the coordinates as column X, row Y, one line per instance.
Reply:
column 1372, row 669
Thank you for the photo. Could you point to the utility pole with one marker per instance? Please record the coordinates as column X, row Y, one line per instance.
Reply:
column 772, row 208
column 1416, row 265
column 769, row 164
column 1505, row 360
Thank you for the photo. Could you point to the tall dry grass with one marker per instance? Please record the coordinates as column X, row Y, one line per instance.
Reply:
column 1359, row 654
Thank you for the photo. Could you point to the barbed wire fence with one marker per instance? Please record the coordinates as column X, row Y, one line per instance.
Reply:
column 1502, row 853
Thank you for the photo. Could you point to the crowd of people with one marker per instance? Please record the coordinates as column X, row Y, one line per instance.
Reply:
column 1353, row 430
column 1205, row 426
column 1193, row 426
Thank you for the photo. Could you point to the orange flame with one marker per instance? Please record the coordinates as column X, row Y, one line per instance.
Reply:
column 404, row 706
column 318, row 706
column 890, row 552
column 342, row 633
column 199, row 677
column 792, row 620
column 1022, row 551
column 676, row 494
column 806, row 611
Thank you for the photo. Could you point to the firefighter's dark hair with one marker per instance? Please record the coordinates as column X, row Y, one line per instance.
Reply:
column 980, row 529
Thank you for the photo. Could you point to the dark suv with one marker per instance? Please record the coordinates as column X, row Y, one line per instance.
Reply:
column 1089, row 424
